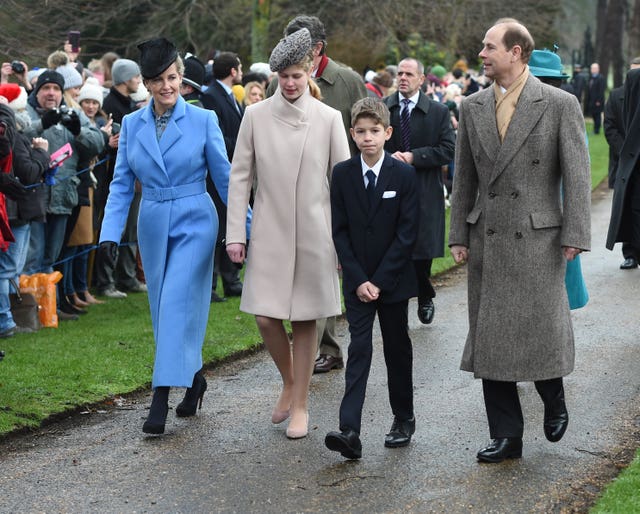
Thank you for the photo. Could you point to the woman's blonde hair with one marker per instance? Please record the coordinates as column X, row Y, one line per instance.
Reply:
column 307, row 64
column 248, row 87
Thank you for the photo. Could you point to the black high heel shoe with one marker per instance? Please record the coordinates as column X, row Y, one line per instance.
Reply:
column 157, row 412
column 193, row 397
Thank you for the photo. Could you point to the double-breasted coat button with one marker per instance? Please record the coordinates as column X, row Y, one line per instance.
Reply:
column 518, row 235
column 535, row 161
column 514, row 195
column 490, row 232
column 492, row 194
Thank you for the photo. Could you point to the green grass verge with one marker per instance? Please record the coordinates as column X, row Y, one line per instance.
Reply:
column 623, row 494
column 110, row 350
column 106, row 352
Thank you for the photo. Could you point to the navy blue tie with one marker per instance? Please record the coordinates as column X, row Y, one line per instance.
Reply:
column 371, row 185
column 405, row 125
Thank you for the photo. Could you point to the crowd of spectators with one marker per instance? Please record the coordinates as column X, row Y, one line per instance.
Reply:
column 53, row 215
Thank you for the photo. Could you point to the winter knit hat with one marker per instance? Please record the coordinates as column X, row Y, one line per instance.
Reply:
column 71, row 76
column 49, row 77
column 92, row 90
column 20, row 103
column 10, row 91
column 123, row 70
column 290, row 50
column 35, row 73
column 141, row 94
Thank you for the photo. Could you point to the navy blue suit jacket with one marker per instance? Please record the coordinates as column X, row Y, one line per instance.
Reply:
column 375, row 243
column 216, row 99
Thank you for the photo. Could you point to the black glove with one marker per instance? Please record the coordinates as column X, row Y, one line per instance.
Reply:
column 72, row 122
column 108, row 253
column 12, row 187
column 49, row 118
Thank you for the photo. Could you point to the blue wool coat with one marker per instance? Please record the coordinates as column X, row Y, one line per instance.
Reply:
column 177, row 226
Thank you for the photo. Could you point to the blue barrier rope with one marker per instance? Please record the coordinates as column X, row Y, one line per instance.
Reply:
column 40, row 184
column 88, row 250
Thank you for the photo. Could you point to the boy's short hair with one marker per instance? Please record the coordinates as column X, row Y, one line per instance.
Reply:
column 370, row 108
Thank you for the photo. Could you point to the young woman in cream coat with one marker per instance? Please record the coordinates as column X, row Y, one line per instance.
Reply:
column 290, row 143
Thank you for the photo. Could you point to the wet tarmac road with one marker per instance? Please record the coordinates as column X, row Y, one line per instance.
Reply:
column 231, row 459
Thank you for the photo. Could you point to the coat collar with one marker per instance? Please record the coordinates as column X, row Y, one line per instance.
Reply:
column 423, row 102
column 294, row 114
column 530, row 107
column 172, row 133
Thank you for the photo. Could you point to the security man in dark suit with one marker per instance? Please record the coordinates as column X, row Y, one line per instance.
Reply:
column 614, row 132
column 219, row 97
column 423, row 137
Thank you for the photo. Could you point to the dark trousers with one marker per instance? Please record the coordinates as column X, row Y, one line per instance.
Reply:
column 398, row 356
column 124, row 273
column 227, row 270
column 423, row 273
column 629, row 251
column 502, row 402
column 597, row 120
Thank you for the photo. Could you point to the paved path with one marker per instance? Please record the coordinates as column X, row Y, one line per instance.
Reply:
column 231, row 459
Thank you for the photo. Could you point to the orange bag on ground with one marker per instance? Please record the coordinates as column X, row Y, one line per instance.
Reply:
column 43, row 287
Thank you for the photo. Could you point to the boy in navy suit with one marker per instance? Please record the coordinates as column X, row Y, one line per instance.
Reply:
column 374, row 211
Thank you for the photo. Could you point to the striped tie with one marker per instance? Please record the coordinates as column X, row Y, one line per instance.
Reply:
column 405, row 125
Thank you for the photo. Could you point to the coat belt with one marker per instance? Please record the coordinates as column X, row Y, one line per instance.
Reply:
column 165, row 194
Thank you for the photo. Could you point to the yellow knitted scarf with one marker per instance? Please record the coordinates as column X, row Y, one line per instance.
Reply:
column 506, row 102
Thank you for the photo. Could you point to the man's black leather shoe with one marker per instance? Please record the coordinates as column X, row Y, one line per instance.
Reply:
column 426, row 311
column 501, row 449
column 217, row 299
column 326, row 363
column 556, row 419
column 347, row 442
column 400, row 433
column 233, row 290
column 629, row 263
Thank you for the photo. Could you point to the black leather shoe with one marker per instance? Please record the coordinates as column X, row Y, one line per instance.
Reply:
column 157, row 412
column 556, row 419
column 189, row 405
column 217, row 299
column 326, row 363
column 347, row 442
column 501, row 449
column 233, row 290
column 400, row 433
column 629, row 263
column 426, row 311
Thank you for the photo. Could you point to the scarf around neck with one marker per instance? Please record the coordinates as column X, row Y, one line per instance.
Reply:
column 506, row 102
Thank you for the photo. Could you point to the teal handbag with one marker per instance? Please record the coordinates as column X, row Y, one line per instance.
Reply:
column 574, row 282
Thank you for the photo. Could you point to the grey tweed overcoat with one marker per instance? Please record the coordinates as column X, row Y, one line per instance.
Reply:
column 508, row 210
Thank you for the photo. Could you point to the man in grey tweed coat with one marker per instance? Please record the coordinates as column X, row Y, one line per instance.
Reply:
column 519, row 142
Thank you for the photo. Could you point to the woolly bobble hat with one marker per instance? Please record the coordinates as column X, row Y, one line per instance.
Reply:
column 10, row 91
column 71, row 76
column 20, row 103
column 92, row 90
column 35, row 73
column 123, row 70
column 290, row 50
column 439, row 71
column 141, row 94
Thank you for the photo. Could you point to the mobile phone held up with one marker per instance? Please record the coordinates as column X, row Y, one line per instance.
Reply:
column 74, row 40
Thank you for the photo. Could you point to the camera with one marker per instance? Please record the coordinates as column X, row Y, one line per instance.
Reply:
column 17, row 67
column 65, row 114
column 115, row 129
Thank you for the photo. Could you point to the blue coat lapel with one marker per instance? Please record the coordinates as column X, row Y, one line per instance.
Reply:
column 172, row 132
column 146, row 136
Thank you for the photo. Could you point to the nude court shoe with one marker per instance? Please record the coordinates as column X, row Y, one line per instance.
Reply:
column 299, row 433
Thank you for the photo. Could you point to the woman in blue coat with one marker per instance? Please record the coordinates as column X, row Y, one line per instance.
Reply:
column 168, row 146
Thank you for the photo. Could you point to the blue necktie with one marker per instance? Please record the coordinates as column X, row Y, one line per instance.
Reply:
column 371, row 185
column 405, row 125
